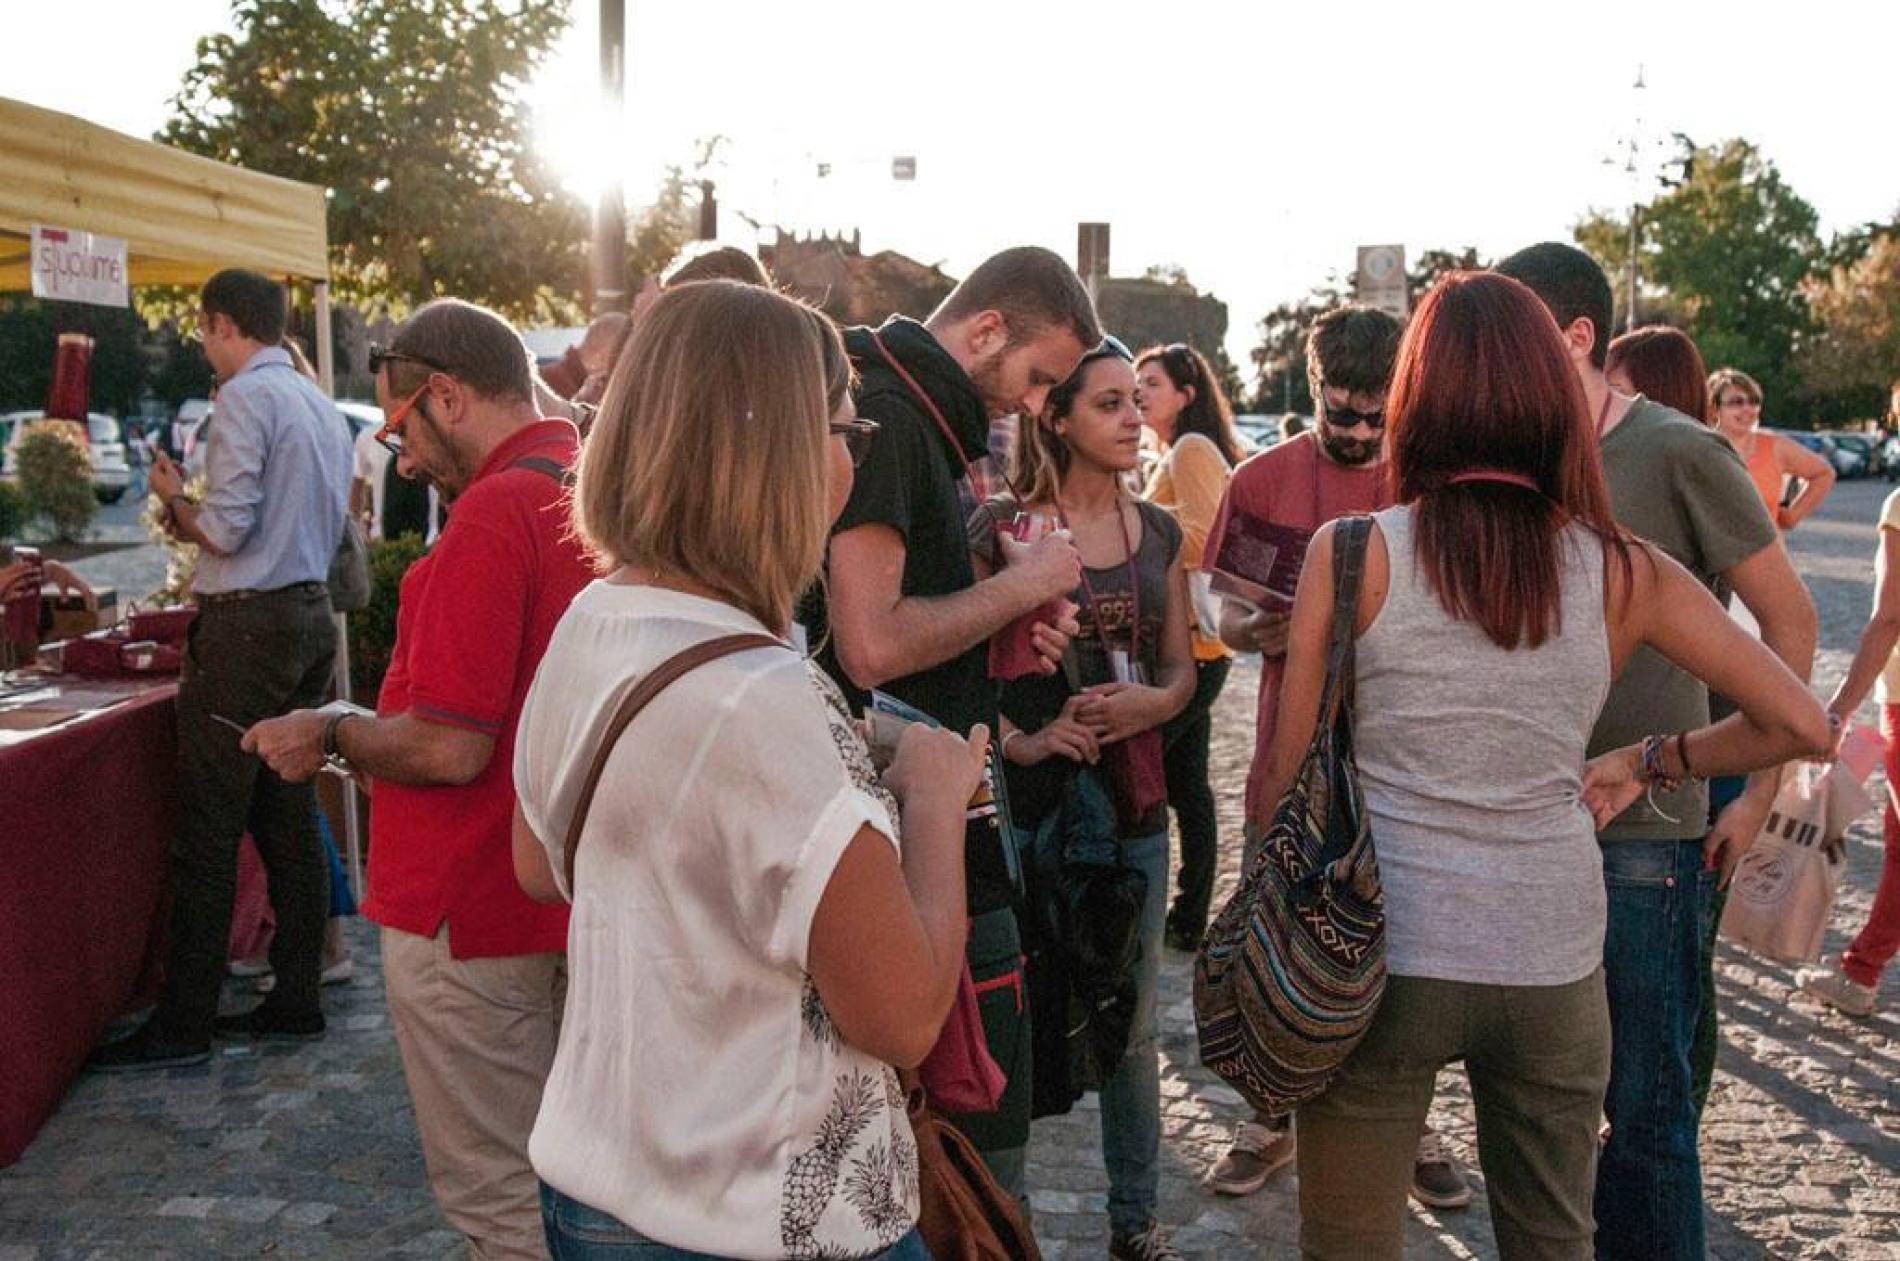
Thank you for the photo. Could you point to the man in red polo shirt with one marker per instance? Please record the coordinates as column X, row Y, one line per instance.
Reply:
column 475, row 971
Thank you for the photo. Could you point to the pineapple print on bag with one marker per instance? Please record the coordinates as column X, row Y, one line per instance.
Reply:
column 812, row 1180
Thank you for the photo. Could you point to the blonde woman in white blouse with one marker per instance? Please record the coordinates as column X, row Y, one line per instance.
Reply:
column 752, row 949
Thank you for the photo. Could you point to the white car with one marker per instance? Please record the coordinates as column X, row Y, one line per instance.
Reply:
column 105, row 442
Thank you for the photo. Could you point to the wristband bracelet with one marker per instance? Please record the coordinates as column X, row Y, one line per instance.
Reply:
column 1003, row 748
column 331, row 753
column 1651, row 761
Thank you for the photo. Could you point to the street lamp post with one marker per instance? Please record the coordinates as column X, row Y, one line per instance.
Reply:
column 610, row 212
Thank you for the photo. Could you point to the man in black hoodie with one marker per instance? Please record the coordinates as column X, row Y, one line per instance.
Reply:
column 908, row 616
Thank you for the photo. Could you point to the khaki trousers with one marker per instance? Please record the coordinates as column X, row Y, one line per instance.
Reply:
column 1539, row 1062
column 477, row 1039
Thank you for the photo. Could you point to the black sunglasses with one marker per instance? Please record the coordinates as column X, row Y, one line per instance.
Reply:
column 380, row 355
column 1346, row 417
column 857, row 435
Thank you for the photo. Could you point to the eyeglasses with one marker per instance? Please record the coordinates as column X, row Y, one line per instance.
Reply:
column 380, row 355
column 1347, row 417
column 1738, row 400
column 390, row 435
column 857, row 435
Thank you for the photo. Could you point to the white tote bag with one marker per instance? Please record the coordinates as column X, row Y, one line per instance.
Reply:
column 1784, row 887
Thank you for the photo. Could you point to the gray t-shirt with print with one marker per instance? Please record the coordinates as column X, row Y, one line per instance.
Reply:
column 1675, row 483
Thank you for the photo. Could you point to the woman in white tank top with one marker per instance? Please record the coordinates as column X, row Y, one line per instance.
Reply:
column 1498, row 601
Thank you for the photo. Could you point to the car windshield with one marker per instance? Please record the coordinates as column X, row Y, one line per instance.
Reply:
column 102, row 429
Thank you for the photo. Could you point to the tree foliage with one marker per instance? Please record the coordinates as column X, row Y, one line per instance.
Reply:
column 1279, row 359
column 1434, row 264
column 410, row 112
column 1856, row 306
column 29, row 328
column 1723, row 251
column 56, row 477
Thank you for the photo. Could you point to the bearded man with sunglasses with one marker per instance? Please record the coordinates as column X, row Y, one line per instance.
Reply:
column 475, row 971
column 1335, row 469
column 264, row 641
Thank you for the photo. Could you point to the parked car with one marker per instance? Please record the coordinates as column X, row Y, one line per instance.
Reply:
column 105, row 443
column 1860, row 446
column 1257, row 431
column 360, row 415
column 1845, row 462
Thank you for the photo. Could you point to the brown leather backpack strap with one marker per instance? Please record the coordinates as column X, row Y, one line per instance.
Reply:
column 643, row 692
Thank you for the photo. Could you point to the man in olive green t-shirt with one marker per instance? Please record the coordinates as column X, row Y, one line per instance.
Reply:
column 1674, row 483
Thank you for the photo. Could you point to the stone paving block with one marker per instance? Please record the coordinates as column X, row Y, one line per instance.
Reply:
column 188, row 1206
column 432, row 1243
column 248, row 1208
column 307, row 1214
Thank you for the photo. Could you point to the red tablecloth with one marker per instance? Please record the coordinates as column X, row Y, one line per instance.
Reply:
column 86, row 817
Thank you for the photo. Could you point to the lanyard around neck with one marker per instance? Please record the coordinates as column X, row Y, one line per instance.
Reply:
column 1134, row 584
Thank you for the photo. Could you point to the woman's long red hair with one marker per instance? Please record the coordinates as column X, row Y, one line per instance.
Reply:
column 1483, row 382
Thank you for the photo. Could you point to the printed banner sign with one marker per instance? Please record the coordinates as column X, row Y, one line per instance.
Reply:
column 79, row 267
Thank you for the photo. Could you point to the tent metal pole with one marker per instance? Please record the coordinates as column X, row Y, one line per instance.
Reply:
column 352, row 798
column 326, row 353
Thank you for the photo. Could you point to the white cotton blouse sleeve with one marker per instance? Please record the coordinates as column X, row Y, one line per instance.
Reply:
column 773, row 785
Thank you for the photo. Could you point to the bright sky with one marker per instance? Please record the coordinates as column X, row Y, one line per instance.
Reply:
column 1254, row 145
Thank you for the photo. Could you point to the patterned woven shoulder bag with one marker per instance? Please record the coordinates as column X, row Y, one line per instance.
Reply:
column 1291, row 973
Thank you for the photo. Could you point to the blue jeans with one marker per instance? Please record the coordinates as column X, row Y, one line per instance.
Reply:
column 579, row 1233
column 1131, row 1098
column 1649, row 1178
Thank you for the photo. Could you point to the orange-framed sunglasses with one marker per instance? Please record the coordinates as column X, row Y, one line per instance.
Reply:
column 390, row 435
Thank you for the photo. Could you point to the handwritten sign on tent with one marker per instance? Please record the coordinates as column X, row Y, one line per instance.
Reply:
column 77, row 266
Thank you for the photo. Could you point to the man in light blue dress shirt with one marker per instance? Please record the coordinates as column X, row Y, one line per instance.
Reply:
column 264, row 643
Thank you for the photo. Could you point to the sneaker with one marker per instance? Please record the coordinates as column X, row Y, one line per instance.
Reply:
column 1838, row 990
column 260, row 966
column 1437, row 1181
column 338, row 973
column 261, row 1022
column 1150, row 1243
column 1258, row 1152
column 141, row 1052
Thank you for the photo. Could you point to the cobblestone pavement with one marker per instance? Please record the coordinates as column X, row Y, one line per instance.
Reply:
column 311, row 1151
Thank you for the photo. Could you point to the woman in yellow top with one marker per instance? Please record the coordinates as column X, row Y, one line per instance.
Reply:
column 1183, row 406
column 1770, row 457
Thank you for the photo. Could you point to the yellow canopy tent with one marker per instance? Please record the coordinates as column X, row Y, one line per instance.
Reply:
column 183, row 217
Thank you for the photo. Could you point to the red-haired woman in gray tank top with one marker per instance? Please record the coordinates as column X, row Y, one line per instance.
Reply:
column 1499, row 599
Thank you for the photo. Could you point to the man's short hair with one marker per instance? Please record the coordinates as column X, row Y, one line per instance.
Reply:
column 724, row 262
column 258, row 305
column 1352, row 348
column 1571, row 285
column 471, row 343
column 1033, row 290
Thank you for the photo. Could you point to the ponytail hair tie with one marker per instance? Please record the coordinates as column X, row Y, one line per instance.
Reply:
column 1498, row 475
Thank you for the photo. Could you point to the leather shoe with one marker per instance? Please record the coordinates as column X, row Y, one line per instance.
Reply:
column 141, row 1052
column 262, row 1022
